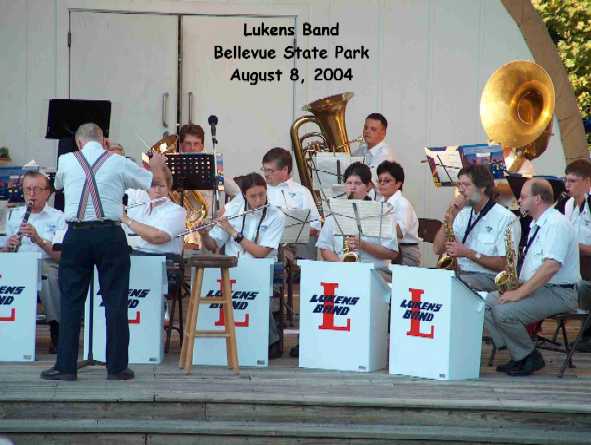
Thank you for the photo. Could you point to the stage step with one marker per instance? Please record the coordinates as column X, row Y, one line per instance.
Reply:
column 155, row 432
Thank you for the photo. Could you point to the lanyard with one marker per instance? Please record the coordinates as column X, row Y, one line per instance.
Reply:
column 489, row 205
column 524, row 253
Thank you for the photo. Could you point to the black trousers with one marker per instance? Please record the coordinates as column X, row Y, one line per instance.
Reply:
column 82, row 249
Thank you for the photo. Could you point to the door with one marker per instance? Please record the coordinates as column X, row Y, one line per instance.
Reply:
column 131, row 60
column 252, row 118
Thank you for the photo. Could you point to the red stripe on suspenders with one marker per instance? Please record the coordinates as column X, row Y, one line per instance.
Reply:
column 90, row 187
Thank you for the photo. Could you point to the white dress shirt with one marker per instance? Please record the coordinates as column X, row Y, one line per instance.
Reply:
column 291, row 195
column 376, row 155
column 331, row 239
column 115, row 176
column 581, row 220
column 47, row 222
column 270, row 232
column 163, row 215
column 405, row 217
column 488, row 236
column 555, row 240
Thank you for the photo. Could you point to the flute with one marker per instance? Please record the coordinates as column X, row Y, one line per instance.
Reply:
column 153, row 201
column 214, row 222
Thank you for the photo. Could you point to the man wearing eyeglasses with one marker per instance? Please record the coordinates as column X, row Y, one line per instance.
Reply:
column 37, row 236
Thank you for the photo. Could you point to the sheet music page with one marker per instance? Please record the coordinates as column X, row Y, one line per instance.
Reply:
column 334, row 191
column 297, row 226
column 375, row 217
column 445, row 163
column 327, row 166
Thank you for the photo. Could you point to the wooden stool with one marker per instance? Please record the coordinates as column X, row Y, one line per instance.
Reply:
column 202, row 262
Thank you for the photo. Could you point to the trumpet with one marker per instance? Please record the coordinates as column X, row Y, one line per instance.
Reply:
column 214, row 221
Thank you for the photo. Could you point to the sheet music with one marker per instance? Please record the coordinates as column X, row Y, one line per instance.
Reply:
column 328, row 168
column 445, row 163
column 297, row 226
column 374, row 217
column 334, row 191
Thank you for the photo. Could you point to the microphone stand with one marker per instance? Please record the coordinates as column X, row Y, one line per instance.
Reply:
column 213, row 120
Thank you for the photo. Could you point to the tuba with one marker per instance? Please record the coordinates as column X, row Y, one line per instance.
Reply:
column 193, row 201
column 516, row 109
column 329, row 115
column 508, row 279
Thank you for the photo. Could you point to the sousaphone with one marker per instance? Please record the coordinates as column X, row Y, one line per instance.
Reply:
column 516, row 109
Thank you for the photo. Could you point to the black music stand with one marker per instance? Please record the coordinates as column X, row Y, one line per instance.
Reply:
column 191, row 171
column 90, row 361
column 64, row 118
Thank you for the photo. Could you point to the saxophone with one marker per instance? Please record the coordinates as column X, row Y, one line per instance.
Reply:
column 508, row 279
column 445, row 261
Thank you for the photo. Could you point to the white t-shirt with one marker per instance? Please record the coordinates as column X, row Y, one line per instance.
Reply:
column 270, row 229
column 163, row 215
column 555, row 240
column 488, row 235
column 47, row 223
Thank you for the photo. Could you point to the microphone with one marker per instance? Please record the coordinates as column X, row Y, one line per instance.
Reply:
column 212, row 121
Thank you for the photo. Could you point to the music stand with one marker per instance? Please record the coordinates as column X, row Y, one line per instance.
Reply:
column 192, row 171
column 63, row 119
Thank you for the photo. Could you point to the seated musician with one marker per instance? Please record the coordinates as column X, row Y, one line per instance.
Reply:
column 37, row 236
column 390, row 182
column 255, row 234
column 548, row 271
column 578, row 212
column 479, row 225
column 370, row 249
column 158, row 221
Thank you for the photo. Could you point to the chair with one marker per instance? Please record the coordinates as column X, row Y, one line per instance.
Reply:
column 200, row 263
column 428, row 228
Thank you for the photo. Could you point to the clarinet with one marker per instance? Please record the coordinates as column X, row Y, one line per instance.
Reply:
column 24, row 221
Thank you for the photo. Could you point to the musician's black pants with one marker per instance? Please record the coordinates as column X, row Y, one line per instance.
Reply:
column 82, row 249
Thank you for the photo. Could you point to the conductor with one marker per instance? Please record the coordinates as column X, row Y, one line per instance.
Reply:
column 94, row 181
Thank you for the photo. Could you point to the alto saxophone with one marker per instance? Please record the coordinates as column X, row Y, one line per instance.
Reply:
column 445, row 261
column 508, row 279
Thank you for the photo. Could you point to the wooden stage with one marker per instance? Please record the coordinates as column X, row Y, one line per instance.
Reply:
column 286, row 405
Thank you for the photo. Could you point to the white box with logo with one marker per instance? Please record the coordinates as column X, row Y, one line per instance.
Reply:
column 252, row 288
column 435, row 325
column 343, row 316
column 20, row 280
column 147, row 287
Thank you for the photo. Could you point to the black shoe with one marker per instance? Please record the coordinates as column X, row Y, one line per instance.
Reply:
column 126, row 374
column 275, row 350
column 584, row 345
column 530, row 364
column 295, row 351
column 507, row 366
column 56, row 374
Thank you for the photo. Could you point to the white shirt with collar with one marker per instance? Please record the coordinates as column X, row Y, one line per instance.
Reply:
column 47, row 223
column 291, row 195
column 488, row 236
column 270, row 232
column 163, row 215
column 580, row 219
column 405, row 217
column 331, row 239
column 376, row 155
column 115, row 176
column 555, row 240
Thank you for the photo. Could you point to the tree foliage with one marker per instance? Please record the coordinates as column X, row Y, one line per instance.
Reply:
column 569, row 25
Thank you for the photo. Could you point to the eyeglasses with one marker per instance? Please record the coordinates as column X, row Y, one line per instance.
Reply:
column 34, row 189
column 268, row 171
